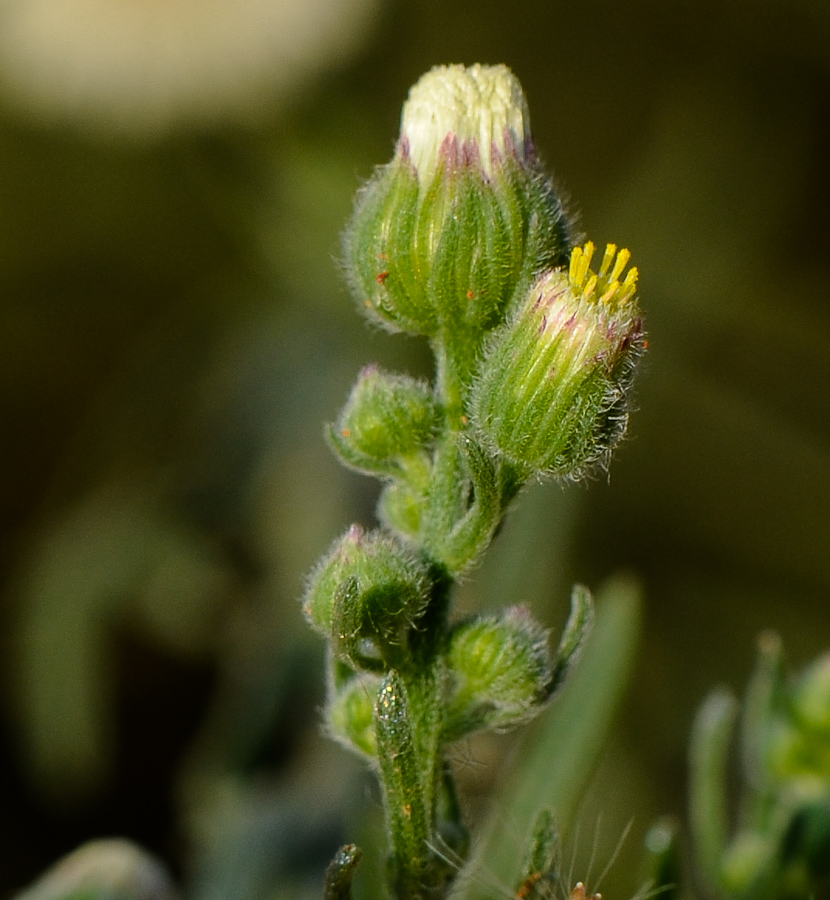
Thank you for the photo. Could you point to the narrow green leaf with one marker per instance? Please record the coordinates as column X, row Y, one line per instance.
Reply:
column 709, row 747
column 462, row 542
column 407, row 813
column 763, row 692
column 540, row 863
column 662, row 844
column 577, row 629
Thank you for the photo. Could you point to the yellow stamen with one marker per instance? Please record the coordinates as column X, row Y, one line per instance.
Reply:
column 622, row 260
column 610, row 250
column 589, row 288
column 609, row 292
column 587, row 254
column 576, row 255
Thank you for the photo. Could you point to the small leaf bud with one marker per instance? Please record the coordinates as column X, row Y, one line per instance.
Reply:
column 500, row 668
column 365, row 595
column 340, row 873
column 462, row 214
column 388, row 419
column 551, row 392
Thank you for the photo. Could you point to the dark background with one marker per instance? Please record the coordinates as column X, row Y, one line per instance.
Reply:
column 174, row 332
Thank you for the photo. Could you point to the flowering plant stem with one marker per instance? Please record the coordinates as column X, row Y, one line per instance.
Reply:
column 461, row 238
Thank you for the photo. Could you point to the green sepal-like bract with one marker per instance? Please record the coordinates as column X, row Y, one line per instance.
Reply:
column 576, row 632
column 387, row 425
column 464, row 504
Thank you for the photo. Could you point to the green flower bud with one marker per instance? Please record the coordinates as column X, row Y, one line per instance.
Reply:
column 365, row 595
column 342, row 561
column 501, row 670
column 462, row 215
column 551, row 392
column 387, row 423
column 401, row 508
column 350, row 713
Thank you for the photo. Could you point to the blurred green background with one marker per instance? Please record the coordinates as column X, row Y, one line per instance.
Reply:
column 174, row 332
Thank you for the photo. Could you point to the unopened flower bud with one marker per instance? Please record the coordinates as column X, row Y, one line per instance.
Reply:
column 500, row 669
column 462, row 214
column 388, row 419
column 454, row 112
column 342, row 561
column 551, row 392
column 349, row 714
column 365, row 595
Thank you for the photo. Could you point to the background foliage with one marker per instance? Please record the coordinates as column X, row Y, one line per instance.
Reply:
column 173, row 334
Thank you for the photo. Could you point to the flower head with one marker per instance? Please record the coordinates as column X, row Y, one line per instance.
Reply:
column 462, row 216
column 551, row 394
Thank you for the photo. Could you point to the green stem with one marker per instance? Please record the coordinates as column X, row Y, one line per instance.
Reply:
column 449, row 378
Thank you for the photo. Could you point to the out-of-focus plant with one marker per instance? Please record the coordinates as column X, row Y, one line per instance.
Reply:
column 463, row 239
column 760, row 824
column 779, row 846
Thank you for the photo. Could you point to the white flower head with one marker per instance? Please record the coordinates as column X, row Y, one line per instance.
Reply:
column 147, row 66
column 481, row 108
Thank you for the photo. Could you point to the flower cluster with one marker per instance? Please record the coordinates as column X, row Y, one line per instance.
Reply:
column 461, row 238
